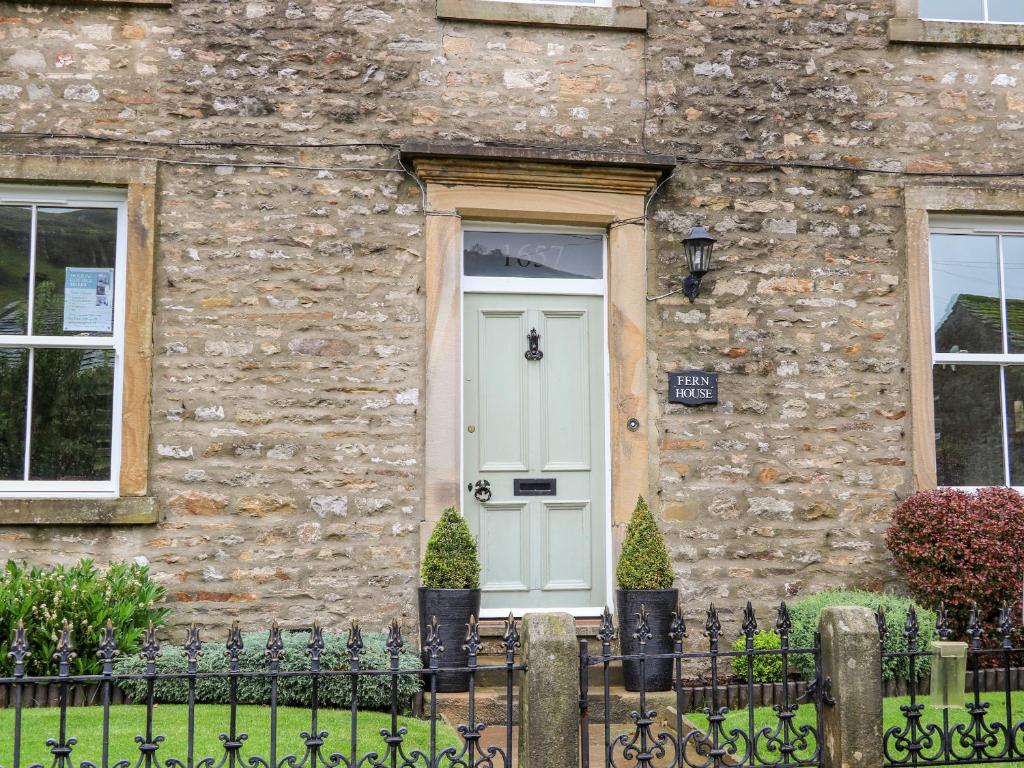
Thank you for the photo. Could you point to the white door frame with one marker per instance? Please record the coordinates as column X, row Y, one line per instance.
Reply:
column 549, row 286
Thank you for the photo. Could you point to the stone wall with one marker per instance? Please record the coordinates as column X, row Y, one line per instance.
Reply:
column 287, row 442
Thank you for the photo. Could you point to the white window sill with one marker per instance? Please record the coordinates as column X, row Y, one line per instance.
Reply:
column 544, row 14
column 903, row 29
column 128, row 510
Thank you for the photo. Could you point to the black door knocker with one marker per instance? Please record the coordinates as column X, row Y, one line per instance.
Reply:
column 482, row 491
column 533, row 339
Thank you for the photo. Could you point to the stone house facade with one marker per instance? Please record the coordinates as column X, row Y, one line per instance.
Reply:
column 295, row 183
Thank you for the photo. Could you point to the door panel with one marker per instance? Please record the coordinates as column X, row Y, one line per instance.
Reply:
column 541, row 420
column 564, row 392
column 505, row 547
column 502, row 394
column 566, row 555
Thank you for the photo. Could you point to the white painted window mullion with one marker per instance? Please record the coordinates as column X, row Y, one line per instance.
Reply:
column 1004, row 321
column 30, row 321
column 1005, row 425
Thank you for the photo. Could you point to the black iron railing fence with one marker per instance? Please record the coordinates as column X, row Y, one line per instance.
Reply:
column 747, row 735
column 991, row 726
column 312, row 745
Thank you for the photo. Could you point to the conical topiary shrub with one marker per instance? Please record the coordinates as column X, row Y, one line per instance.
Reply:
column 451, row 561
column 450, row 593
column 644, row 575
column 644, row 562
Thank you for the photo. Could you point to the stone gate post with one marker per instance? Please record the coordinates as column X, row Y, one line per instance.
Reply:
column 851, row 656
column 549, row 713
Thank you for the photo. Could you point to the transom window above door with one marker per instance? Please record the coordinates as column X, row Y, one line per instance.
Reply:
column 62, row 264
column 534, row 259
column 999, row 11
column 977, row 289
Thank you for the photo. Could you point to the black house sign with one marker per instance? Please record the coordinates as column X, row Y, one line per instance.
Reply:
column 693, row 388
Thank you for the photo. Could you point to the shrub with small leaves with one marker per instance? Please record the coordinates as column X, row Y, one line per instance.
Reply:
column 806, row 612
column 644, row 562
column 961, row 548
column 84, row 595
column 334, row 691
column 450, row 560
column 767, row 668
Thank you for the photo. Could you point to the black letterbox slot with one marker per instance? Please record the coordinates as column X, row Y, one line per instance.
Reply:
column 524, row 487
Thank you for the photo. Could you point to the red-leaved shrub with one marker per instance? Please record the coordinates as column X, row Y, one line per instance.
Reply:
column 961, row 548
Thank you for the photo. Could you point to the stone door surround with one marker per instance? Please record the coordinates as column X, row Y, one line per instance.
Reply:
column 539, row 187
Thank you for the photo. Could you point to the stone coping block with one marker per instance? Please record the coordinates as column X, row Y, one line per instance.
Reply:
column 130, row 510
column 546, row 15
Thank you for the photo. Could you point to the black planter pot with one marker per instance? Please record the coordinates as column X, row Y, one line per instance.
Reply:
column 452, row 607
column 660, row 604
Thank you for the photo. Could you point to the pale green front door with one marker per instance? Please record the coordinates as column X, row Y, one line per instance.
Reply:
column 534, row 431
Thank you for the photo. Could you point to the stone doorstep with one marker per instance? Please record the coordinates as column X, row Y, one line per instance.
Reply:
column 585, row 628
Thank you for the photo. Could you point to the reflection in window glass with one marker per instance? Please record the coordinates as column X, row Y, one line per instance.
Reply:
column 15, row 241
column 965, row 293
column 77, row 247
column 968, row 433
column 1013, row 285
column 953, row 10
column 72, row 413
column 533, row 254
column 1015, row 421
column 1011, row 11
column 13, row 391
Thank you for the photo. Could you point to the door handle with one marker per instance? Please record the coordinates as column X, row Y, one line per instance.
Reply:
column 482, row 491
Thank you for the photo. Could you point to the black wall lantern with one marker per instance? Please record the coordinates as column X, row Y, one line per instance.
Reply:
column 698, row 245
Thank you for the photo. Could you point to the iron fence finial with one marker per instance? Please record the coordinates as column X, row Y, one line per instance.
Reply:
column 749, row 620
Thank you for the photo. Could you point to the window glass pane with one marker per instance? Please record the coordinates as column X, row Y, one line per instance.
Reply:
column 965, row 293
column 15, row 249
column 75, row 253
column 968, row 432
column 72, row 410
column 1013, row 284
column 533, row 254
column 13, row 389
column 953, row 10
column 1015, row 421
column 1006, row 10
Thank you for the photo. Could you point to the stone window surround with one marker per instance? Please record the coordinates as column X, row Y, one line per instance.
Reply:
column 920, row 202
column 139, row 179
column 907, row 26
column 615, row 16
column 520, row 189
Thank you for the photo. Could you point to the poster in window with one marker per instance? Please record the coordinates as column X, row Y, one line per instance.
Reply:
column 89, row 299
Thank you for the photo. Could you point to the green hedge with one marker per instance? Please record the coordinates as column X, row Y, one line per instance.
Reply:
column 767, row 668
column 87, row 597
column 806, row 612
column 374, row 691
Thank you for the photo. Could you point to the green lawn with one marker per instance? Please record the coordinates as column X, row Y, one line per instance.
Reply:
column 891, row 716
column 171, row 721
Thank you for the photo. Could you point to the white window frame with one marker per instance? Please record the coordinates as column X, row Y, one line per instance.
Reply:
column 73, row 197
column 984, row 10
column 990, row 226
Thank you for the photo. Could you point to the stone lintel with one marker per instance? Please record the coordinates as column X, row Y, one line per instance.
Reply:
column 473, row 165
column 931, row 32
column 130, row 510
column 623, row 18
